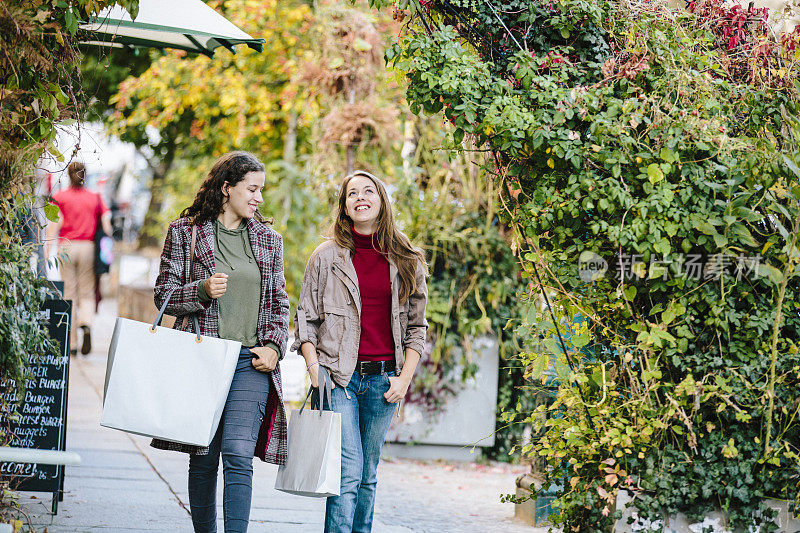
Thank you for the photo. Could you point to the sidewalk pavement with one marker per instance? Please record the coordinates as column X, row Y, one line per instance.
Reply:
column 124, row 485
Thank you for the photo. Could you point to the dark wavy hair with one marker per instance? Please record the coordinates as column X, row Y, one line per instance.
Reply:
column 230, row 168
column 390, row 240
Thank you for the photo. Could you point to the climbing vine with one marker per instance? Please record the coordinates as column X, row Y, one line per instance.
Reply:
column 646, row 159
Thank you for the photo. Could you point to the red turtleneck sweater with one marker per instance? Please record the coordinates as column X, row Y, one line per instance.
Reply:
column 375, row 287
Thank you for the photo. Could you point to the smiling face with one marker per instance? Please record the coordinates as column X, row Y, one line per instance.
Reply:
column 244, row 198
column 363, row 204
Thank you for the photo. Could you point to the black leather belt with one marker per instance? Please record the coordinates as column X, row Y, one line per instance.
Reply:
column 371, row 368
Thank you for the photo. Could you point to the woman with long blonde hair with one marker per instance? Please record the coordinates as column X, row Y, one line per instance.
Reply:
column 361, row 315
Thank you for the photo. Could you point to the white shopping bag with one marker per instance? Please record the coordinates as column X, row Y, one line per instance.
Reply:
column 165, row 383
column 314, row 459
column 52, row 268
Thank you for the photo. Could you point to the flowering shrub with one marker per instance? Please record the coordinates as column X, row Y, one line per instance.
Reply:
column 648, row 163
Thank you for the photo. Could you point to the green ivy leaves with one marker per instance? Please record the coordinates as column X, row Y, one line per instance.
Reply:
column 657, row 161
column 654, row 173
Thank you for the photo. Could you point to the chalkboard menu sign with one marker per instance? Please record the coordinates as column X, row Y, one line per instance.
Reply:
column 43, row 410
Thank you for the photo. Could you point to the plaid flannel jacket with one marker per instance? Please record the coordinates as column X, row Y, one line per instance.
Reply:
column 273, row 317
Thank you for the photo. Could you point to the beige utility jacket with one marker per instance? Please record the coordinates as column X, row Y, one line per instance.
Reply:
column 329, row 312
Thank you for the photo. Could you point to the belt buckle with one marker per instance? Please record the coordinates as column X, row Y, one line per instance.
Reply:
column 365, row 367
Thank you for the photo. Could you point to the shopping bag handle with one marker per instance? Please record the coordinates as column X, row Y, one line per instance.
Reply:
column 325, row 385
column 164, row 308
column 169, row 294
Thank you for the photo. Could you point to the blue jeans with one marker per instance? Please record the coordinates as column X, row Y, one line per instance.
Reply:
column 235, row 441
column 366, row 416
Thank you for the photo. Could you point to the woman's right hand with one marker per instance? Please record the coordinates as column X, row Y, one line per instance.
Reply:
column 216, row 285
column 313, row 374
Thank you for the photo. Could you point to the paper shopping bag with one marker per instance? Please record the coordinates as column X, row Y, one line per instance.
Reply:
column 166, row 383
column 314, row 458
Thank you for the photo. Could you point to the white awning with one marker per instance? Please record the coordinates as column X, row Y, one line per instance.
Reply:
column 189, row 25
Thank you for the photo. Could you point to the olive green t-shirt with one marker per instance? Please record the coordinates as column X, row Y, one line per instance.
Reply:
column 239, row 306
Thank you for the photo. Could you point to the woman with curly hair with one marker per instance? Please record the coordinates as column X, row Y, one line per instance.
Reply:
column 361, row 315
column 236, row 286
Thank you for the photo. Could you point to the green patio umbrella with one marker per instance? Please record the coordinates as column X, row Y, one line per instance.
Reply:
column 188, row 25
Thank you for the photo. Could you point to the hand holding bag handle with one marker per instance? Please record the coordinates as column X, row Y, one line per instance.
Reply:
column 325, row 385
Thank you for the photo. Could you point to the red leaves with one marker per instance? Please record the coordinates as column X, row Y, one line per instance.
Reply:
column 790, row 40
column 551, row 59
column 733, row 24
column 746, row 41
column 614, row 68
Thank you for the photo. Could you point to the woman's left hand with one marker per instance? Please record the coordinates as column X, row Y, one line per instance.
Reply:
column 266, row 358
column 398, row 387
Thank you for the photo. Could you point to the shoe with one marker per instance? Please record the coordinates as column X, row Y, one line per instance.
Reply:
column 86, row 347
column 73, row 352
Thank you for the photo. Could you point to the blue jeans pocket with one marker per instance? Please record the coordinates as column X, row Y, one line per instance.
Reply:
column 387, row 384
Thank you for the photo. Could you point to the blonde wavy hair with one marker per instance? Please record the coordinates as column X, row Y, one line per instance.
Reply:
column 391, row 242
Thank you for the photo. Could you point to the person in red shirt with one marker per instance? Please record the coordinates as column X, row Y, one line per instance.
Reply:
column 81, row 209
